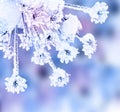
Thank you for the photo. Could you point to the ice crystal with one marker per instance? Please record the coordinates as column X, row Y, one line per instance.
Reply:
column 42, row 25
column 41, row 57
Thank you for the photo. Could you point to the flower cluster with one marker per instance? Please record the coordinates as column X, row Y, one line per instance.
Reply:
column 42, row 25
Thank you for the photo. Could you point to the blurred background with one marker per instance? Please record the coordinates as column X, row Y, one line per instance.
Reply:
column 94, row 83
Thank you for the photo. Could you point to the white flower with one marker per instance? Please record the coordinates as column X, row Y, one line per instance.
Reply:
column 15, row 84
column 59, row 78
column 49, row 13
column 99, row 12
column 67, row 53
column 8, row 52
column 41, row 57
column 49, row 38
column 89, row 44
column 26, row 42
column 55, row 19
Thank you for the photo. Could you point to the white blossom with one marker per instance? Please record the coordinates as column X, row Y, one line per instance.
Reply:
column 67, row 53
column 8, row 52
column 49, row 38
column 42, row 25
column 15, row 84
column 59, row 78
column 44, row 14
column 41, row 57
column 89, row 44
column 26, row 42
column 99, row 12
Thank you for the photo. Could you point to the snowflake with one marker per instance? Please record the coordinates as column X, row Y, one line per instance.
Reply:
column 42, row 25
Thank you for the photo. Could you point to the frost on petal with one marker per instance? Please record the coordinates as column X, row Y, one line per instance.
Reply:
column 41, row 57
column 99, row 13
column 89, row 44
column 70, row 27
column 67, row 53
column 15, row 84
column 59, row 78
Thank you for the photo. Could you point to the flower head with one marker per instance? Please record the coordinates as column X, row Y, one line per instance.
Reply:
column 47, row 13
column 59, row 78
column 67, row 53
column 49, row 38
column 99, row 12
column 41, row 57
column 89, row 44
column 15, row 84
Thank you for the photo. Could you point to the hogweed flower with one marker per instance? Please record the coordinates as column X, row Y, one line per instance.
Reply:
column 42, row 25
column 99, row 13
column 41, row 57
column 89, row 44
column 67, row 53
column 15, row 84
column 59, row 78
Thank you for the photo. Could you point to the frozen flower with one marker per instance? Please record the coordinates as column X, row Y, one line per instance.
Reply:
column 55, row 19
column 49, row 38
column 59, row 78
column 67, row 53
column 89, row 44
column 15, row 84
column 26, row 42
column 70, row 27
column 8, row 52
column 99, row 13
column 41, row 57
column 44, row 14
